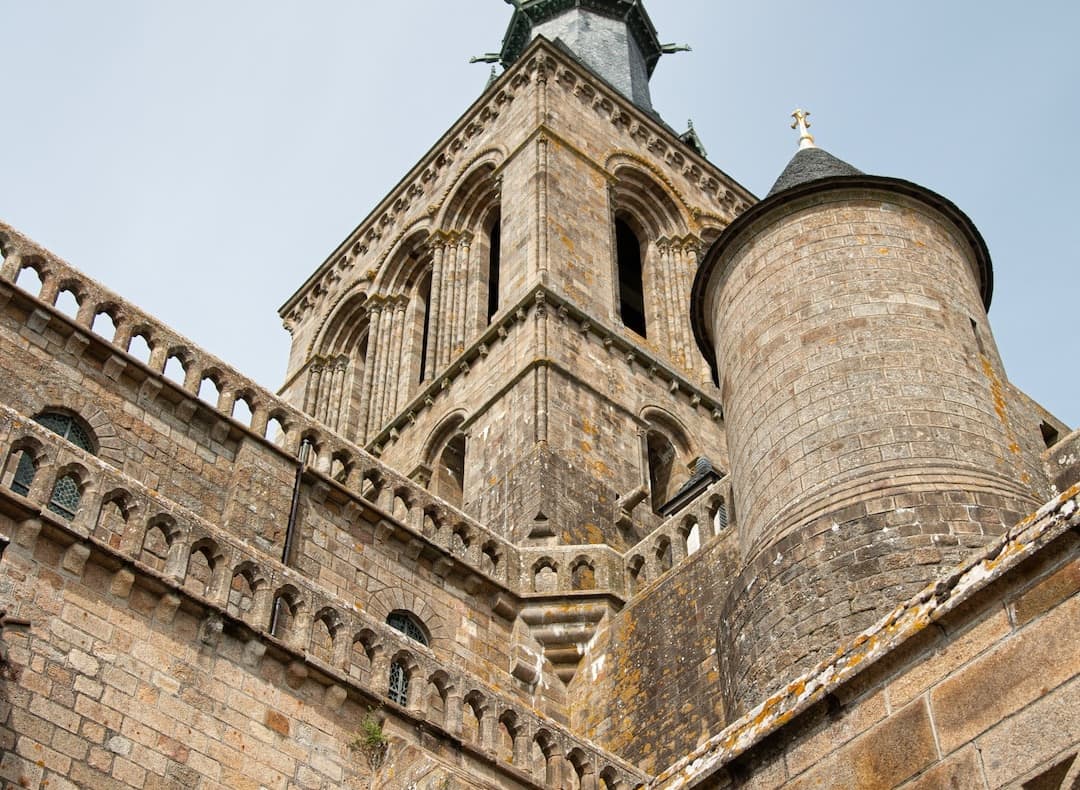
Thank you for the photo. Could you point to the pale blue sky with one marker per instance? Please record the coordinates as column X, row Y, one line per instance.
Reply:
column 203, row 157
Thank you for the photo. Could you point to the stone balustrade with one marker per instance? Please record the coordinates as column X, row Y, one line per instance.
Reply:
column 680, row 536
column 420, row 514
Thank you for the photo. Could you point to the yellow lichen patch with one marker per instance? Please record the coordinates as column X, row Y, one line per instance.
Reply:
column 995, row 390
column 567, row 242
column 600, row 469
column 492, row 480
column 586, row 447
column 593, row 534
column 883, row 251
column 590, row 428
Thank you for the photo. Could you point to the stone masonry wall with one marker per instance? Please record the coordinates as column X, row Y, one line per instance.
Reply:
column 649, row 688
column 116, row 687
column 233, row 480
column 985, row 696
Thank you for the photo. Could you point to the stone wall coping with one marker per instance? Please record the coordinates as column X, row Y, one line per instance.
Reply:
column 57, row 275
column 1023, row 541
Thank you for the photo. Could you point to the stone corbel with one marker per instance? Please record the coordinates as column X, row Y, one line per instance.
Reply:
column 76, row 344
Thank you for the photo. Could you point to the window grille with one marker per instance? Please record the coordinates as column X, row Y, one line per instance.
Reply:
column 66, row 494
column 407, row 625
column 65, row 426
column 399, row 684
column 65, row 497
column 24, row 475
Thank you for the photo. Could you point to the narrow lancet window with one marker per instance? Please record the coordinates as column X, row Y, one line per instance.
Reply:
column 631, row 291
column 495, row 239
column 450, row 472
column 425, row 295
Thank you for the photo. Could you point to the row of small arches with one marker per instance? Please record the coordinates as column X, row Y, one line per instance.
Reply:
column 244, row 590
column 246, row 593
column 679, row 538
column 402, row 499
column 70, row 483
column 492, row 727
column 668, row 547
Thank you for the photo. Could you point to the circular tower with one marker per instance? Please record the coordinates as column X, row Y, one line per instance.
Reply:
column 870, row 441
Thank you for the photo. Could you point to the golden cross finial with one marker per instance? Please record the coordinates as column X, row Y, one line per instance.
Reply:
column 806, row 140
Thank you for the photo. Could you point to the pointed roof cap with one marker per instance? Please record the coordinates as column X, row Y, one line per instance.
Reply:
column 811, row 164
column 813, row 171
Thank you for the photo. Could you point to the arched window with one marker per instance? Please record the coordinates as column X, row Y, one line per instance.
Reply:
column 631, row 290
column 409, row 625
column 662, row 458
column 65, row 497
column 67, row 427
column 24, row 474
column 67, row 492
column 494, row 250
column 450, row 471
column 399, row 684
column 424, row 295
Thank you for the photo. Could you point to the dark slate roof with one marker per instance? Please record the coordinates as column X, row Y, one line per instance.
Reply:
column 811, row 164
column 704, row 475
column 528, row 13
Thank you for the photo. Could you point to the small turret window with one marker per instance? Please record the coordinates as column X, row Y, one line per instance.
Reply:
column 631, row 291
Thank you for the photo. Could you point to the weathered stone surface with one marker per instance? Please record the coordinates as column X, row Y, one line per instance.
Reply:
column 1047, row 593
column 885, row 756
column 833, row 732
column 520, row 551
column 1008, row 678
column 950, row 655
column 1032, row 738
column 960, row 771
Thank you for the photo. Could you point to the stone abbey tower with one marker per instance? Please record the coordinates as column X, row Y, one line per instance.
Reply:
column 590, row 470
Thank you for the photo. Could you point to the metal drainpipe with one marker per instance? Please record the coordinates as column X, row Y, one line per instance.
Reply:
column 290, row 529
